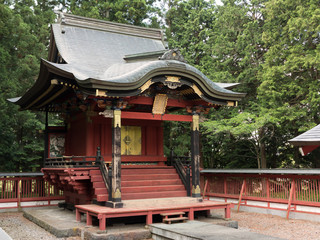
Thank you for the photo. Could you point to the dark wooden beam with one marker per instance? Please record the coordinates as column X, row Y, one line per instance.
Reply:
column 46, row 140
column 195, row 156
column 116, row 156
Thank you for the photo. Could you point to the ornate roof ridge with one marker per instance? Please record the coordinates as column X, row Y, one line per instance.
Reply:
column 66, row 19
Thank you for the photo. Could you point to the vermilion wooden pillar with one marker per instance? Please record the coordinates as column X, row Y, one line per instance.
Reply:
column 195, row 156
column 116, row 156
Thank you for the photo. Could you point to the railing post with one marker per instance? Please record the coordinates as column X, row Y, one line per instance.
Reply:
column 98, row 157
column 188, row 181
column 243, row 190
column 290, row 197
column 225, row 188
column 171, row 157
column 19, row 192
column 268, row 191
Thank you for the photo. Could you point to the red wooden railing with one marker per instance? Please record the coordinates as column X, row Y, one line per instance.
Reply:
column 20, row 191
column 293, row 190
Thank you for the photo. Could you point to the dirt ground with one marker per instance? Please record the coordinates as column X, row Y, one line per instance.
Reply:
column 20, row 228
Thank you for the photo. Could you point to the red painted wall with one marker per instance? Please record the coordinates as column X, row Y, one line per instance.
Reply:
column 83, row 138
column 76, row 136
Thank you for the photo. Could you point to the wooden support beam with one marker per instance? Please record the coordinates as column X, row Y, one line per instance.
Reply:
column 150, row 116
column 292, row 190
column 227, row 212
column 195, row 156
column 205, row 190
column 171, row 102
column 241, row 193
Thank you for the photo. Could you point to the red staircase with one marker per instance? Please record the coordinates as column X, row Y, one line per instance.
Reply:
column 142, row 183
column 82, row 185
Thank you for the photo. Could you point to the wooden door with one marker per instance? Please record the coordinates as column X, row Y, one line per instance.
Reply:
column 130, row 140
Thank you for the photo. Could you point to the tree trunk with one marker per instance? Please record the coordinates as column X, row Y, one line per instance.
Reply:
column 263, row 155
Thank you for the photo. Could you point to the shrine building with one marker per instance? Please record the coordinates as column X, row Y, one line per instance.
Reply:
column 115, row 85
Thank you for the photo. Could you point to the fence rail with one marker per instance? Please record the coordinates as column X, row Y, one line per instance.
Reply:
column 289, row 192
column 20, row 191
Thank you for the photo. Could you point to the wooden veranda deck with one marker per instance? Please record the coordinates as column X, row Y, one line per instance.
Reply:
column 148, row 208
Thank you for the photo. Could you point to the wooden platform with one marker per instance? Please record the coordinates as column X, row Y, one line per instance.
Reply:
column 148, row 208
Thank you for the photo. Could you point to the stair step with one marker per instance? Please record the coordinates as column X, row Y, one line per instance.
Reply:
column 172, row 214
column 149, row 177
column 96, row 178
column 98, row 191
column 135, row 171
column 102, row 197
column 150, row 182
column 165, row 194
column 99, row 184
column 169, row 220
column 146, row 166
column 95, row 172
column 147, row 189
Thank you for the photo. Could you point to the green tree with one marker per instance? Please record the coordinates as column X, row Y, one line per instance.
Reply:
column 290, row 74
column 225, row 42
column 23, row 42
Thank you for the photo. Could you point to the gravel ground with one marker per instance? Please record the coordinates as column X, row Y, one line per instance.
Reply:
column 20, row 228
column 277, row 226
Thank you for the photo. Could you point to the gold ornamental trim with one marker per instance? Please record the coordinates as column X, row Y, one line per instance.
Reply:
column 196, row 189
column 117, row 118
column 195, row 122
column 196, row 90
column 116, row 194
column 172, row 79
column 230, row 104
column 53, row 82
column 100, row 93
column 64, row 88
column 160, row 104
column 146, row 85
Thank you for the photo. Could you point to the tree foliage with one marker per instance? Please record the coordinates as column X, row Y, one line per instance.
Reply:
column 21, row 47
column 271, row 47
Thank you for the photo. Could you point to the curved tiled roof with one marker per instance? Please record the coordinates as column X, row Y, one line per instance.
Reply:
column 110, row 56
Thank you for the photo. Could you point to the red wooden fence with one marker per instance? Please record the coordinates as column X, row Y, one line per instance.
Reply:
column 19, row 191
column 299, row 193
